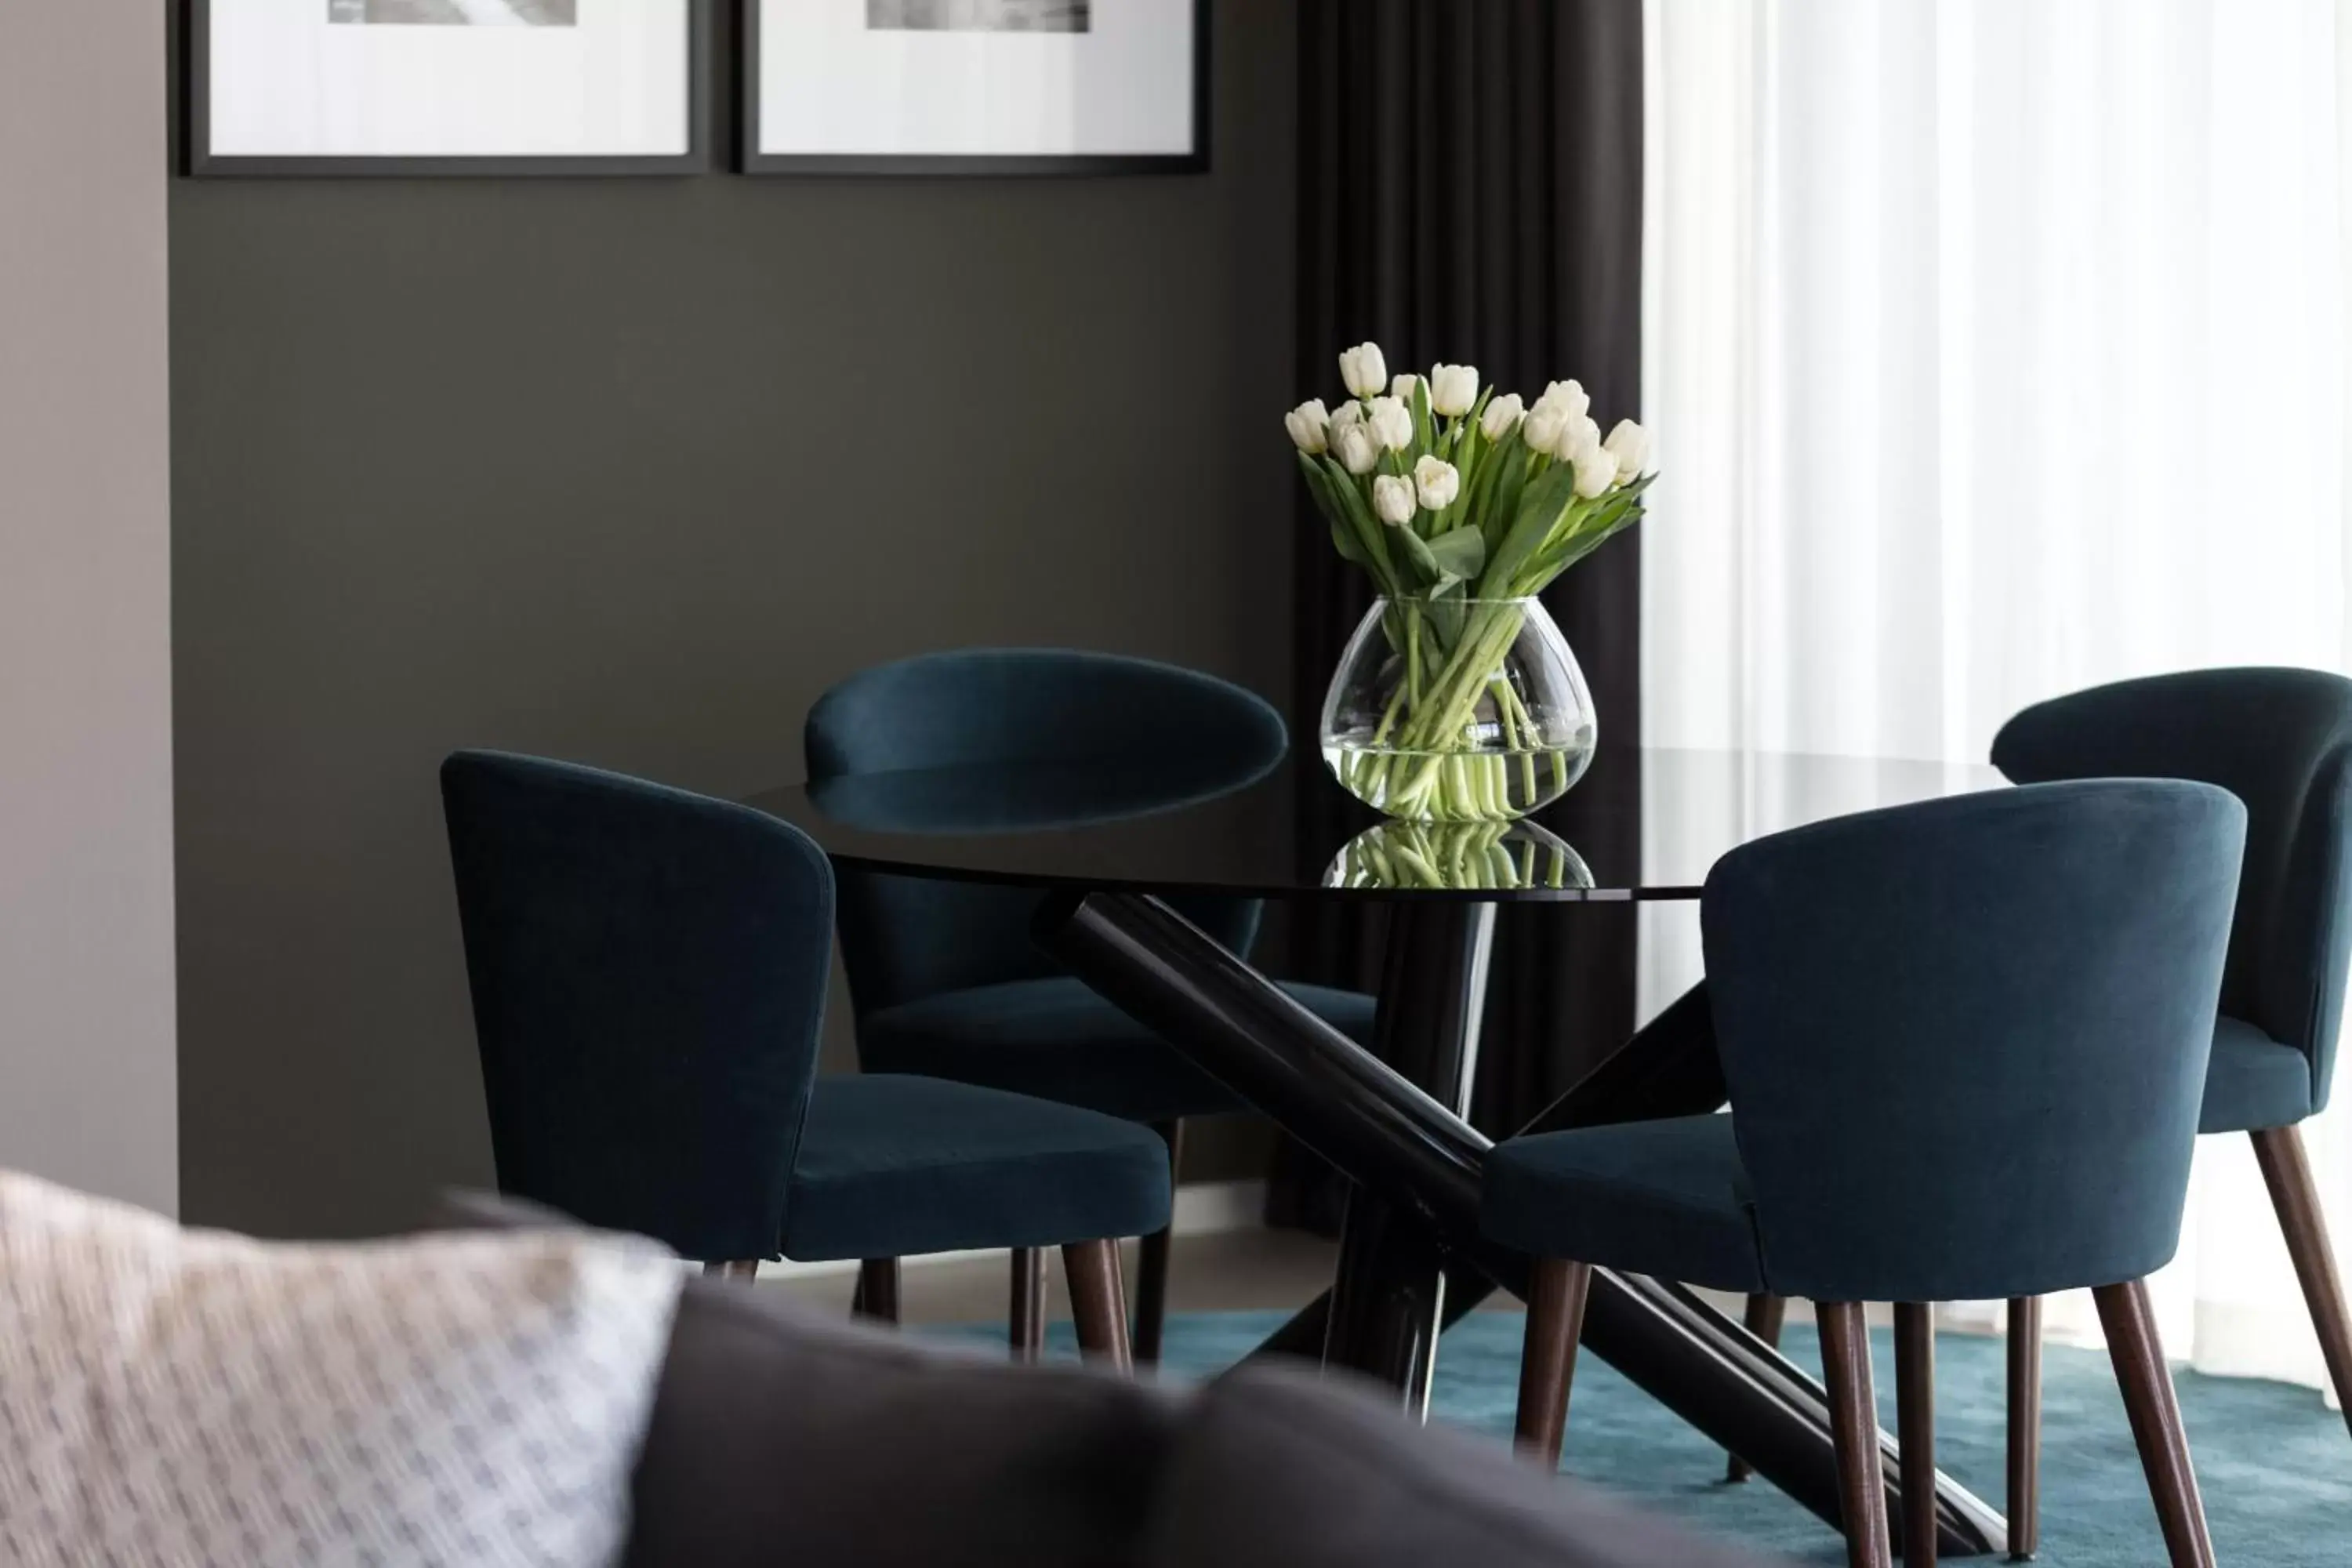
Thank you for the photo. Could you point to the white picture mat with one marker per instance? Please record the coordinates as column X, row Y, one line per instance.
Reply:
column 287, row 82
column 830, row 85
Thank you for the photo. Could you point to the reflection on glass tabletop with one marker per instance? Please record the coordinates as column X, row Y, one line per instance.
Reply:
column 1643, row 823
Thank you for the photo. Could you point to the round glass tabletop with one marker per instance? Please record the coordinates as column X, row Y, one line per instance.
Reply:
column 1643, row 823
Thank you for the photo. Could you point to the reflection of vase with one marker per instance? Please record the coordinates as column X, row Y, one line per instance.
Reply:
column 1437, row 856
column 1458, row 710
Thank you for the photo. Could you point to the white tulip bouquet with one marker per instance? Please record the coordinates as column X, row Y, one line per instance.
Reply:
column 1460, row 506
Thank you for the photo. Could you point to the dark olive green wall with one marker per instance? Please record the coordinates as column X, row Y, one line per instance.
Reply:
column 627, row 472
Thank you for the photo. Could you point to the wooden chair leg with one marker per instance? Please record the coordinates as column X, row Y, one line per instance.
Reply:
column 1028, row 1315
column 877, row 1291
column 1854, row 1432
column 2287, row 1171
column 2132, row 1345
column 1099, row 1302
column 1915, row 1419
column 1557, row 1290
column 1151, row 1263
column 1764, row 1317
column 2024, row 1427
column 732, row 1268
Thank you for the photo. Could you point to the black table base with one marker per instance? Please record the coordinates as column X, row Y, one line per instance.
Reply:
column 1387, row 1304
column 1413, row 1258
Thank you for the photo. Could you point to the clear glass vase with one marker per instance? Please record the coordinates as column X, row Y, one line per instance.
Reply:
column 1458, row 710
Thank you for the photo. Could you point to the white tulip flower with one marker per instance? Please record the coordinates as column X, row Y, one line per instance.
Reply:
column 1391, row 421
column 1596, row 468
column 1359, row 449
column 1569, row 397
column 1629, row 445
column 1308, row 423
column 1392, row 499
column 1454, row 389
column 1401, row 387
column 1365, row 370
column 1438, row 482
column 1502, row 417
column 1581, row 434
column 1546, row 423
column 1351, row 413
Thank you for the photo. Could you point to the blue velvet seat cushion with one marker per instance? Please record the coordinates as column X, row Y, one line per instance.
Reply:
column 2253, row 1081
column 1666, row 1197
column 1056, row 1039
column 894, row 1166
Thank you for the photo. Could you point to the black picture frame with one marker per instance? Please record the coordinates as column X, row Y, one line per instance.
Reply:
column 749, row 160
column 202, row 163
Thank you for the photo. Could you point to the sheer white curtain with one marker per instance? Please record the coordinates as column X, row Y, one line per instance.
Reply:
column 1996, row 348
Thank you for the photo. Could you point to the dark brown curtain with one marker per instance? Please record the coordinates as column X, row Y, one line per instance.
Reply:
column 1470, row 191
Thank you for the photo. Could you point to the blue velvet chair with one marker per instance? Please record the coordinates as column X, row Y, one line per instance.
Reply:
column 943, row 976
column 2280, row 740
column 1965, row 1043
column 648, row 970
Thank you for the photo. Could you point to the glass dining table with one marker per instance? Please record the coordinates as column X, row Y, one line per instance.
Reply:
column 1115, row 844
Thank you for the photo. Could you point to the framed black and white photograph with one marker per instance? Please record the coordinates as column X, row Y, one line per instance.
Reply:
column 981, row 87
column 448, row 87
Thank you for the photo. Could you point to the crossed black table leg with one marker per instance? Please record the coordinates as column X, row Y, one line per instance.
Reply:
column 1412, row 1258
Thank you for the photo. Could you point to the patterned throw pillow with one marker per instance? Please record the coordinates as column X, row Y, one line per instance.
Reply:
column 187, row 1399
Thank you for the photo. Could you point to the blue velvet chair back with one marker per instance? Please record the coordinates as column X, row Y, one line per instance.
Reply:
column 2279, row 740
column 905, row 938
column 1966, row 1040
column 648, row 971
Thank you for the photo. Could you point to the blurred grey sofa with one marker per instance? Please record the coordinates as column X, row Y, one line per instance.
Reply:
column 781, row 1436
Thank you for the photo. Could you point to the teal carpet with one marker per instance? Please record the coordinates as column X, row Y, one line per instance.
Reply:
column 2275, row 1463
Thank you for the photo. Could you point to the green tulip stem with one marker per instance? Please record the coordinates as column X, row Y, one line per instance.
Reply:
column 1439, row 710
column 1389, row 716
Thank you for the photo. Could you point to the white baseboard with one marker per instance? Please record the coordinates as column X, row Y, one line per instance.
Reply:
column 1203, row 1208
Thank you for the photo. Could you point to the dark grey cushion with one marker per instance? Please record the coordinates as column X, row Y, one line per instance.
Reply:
column 1278, row 1469
column 778, row 1437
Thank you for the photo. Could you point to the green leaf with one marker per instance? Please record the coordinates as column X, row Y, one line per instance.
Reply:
column 1448, row 614
column 1335, row 513
column 1424, row 433
column 1320, row 488
column 1500, row 506
column 1366, row 527
column 1541, row 502
column 1459, row 554
column 1417, row 550
column 1577, row 519
column 1601, row 517
column 1592, row 530
column 1343, row 483
column 1468, row 459
column 1585, row 545
column 1548, row 493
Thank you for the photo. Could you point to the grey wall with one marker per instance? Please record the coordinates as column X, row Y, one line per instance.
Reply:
column 627, row 472
column 87, row 1092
